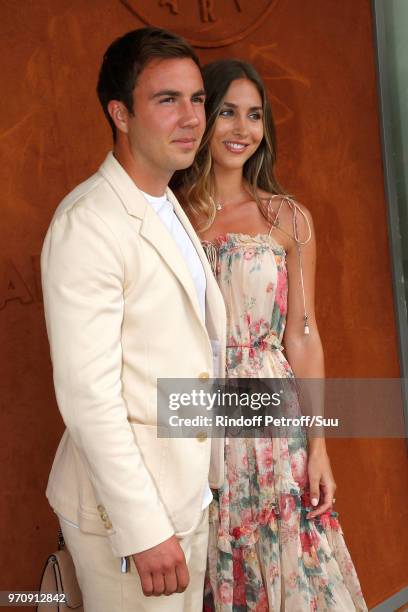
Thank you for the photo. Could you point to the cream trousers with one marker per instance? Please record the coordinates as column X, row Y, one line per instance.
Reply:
column 105, row 589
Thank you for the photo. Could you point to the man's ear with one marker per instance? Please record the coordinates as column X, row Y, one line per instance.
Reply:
column 119, row 115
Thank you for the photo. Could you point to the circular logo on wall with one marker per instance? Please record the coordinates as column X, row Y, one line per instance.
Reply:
column 204, row 23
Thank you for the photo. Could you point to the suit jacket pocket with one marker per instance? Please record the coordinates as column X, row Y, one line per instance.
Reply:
column 153, row 450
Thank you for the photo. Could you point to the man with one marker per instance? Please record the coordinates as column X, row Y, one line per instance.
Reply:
column 129, row 297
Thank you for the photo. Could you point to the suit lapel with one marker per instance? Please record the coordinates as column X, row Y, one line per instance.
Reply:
column 155, row 232
column 215, row 307
column 213, row 292
column 152, row 228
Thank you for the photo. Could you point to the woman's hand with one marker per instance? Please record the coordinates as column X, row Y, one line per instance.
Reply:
column 322, row 485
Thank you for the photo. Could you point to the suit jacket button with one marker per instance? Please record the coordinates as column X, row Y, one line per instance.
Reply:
column 204, row 376
column 201, row 436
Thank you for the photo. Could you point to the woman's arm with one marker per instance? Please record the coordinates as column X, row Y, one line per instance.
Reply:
column 305, row 353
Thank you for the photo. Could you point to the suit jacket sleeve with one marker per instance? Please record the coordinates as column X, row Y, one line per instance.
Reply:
column 83, row 286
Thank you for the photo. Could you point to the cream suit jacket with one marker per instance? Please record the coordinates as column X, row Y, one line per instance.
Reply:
column 121, row 311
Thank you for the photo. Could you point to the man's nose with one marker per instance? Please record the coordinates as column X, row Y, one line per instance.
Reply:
column 190, row 116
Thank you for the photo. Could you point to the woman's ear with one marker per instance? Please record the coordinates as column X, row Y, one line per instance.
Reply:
column 119, row 115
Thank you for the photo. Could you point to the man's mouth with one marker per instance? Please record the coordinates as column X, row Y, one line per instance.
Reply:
column 185, row 143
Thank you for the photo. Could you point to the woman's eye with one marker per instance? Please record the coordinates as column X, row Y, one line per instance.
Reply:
column 255, row 116
column 226, row 112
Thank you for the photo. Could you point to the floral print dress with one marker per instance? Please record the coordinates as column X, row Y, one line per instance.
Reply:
column 264, row 554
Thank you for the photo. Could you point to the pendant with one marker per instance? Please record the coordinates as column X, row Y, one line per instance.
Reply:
column 218, row 206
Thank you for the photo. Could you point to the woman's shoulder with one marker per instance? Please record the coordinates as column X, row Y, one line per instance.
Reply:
column 289, row 215
column 287, row 201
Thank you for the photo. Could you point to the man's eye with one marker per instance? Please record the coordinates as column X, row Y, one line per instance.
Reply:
column 199, row 100
column 169, row 100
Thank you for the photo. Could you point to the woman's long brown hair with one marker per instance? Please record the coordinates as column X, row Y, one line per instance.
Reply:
column 196, row 183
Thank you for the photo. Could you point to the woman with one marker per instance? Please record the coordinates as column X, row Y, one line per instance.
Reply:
column 275, row 543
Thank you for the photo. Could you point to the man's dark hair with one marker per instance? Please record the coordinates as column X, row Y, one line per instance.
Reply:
column 128, row 55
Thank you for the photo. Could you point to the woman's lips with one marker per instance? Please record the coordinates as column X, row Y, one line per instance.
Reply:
column 234, row 146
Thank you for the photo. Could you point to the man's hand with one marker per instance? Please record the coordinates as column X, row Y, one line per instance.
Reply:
column 162, row 569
